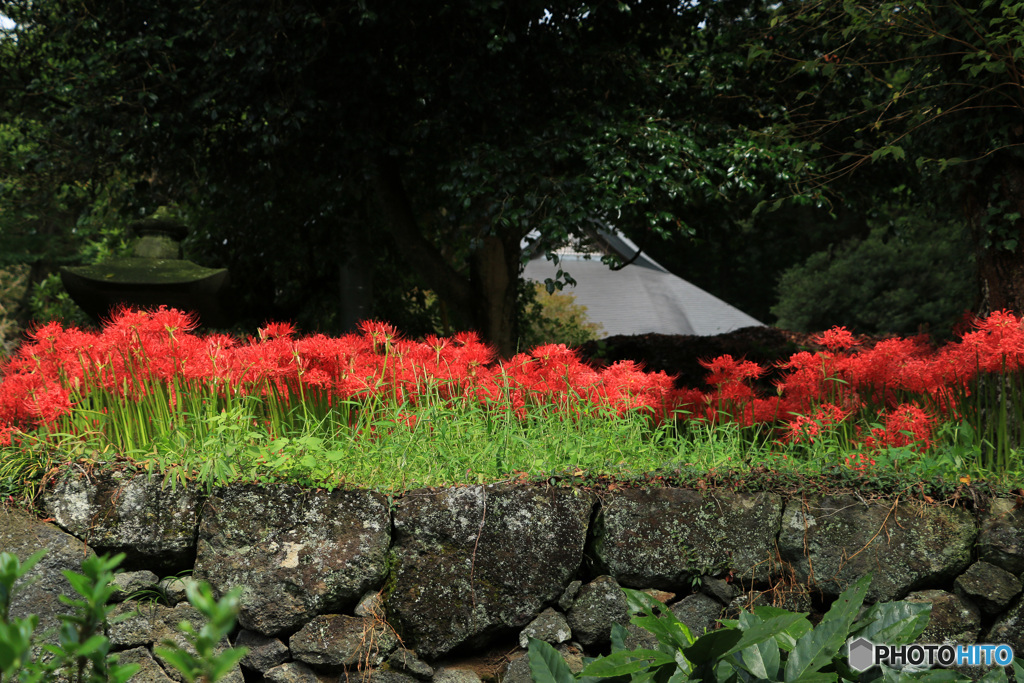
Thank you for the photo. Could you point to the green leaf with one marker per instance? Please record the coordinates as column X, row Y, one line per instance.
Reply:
column 662, row 628
column 185, row 663
column 816, row 649
column 895, row 623
column 895, row 151
column 787, row 639
column 994, row 675
column 712, row 646
column 817, row 677
column 762, row 630
column 546, row 665
column 638, row 601
column 619, row 635
column 120, row 673
column 762, row 659
column 937, row 676
column 227, row 660
column 80, row 583
column 625, row 663
column 91, row 645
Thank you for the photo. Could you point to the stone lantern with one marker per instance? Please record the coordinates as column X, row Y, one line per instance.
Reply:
column 155, row 274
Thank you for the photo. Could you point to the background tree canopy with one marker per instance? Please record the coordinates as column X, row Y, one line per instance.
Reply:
column 348, row 160
column 930, row 94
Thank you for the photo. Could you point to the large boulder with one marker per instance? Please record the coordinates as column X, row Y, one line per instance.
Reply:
column 832, row 541
column 469, row 563
column 664, row 537
column 296, row 552
column 152, row 521
column 22, row 534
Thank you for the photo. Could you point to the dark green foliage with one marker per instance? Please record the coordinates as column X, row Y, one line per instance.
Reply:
column 421, row 140
column 926, row 95
column 409, row 148
column 911, row 274
column 768, row 644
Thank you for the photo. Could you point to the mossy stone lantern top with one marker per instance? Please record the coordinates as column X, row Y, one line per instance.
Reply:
column 154, row 275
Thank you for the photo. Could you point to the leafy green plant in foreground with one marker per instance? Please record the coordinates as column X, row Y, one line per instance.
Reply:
column 82, row 653
column 768, row 644
column 206, row 664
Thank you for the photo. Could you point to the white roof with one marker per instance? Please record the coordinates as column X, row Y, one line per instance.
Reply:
column 641, row 298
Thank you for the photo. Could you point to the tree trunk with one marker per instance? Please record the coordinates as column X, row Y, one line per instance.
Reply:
column 495, row 277
column 1000, row 240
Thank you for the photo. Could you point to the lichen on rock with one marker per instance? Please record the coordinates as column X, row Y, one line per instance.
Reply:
column 296, row 552
column 472, row 562
column 831, row 541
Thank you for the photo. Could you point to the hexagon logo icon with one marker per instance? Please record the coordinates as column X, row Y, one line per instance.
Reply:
column 861, row 654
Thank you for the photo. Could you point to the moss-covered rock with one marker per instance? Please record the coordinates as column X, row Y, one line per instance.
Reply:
column 831, row 541
column 334, row 642
column 1008, row 628
column 989, row 587
column 953, row 620
column 470, row 563
column 149, row 671
column 296, row 552
column 1001, row 541
column 664, row 537
column 22, row 534
column 152, row 523
column 599, row 604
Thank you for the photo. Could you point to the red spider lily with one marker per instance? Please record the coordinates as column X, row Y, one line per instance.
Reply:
column 727, row 370
column 143, row 355
column 890, row 367
column 46, row 404
column 733, row 396
column 859, row 462
column 379, row 333
column 805, row 383
column 808, row 428
column 277, row 330
column 836, row 339
column 905, row 425
column 998, row 342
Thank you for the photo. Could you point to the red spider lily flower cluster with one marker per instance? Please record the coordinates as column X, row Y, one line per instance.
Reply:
column 905, row 385
column 138, row 350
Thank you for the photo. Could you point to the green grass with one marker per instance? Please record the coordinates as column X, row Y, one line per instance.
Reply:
column 467, row 444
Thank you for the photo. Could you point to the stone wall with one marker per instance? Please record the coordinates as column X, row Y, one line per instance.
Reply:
column 418, row 587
